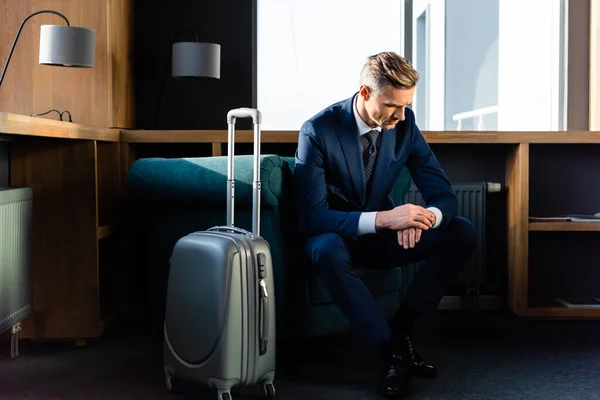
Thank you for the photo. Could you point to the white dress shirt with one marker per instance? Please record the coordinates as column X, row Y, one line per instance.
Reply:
column 366, row 221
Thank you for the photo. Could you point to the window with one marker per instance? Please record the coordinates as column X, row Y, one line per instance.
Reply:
column 310, row 53
column 484, row 64
column 490, row 64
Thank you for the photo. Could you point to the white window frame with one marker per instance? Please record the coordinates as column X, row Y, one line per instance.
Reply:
column 434, row 69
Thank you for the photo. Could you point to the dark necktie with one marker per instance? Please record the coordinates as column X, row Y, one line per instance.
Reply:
column 370, row 153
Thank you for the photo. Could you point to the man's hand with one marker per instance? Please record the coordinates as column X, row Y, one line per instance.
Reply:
column 409, row 237
column 403, row 217
column 433, row 217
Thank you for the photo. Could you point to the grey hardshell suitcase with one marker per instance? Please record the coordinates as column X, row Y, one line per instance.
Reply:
column 219, row 325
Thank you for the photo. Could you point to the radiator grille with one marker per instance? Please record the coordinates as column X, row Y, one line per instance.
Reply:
column 15, row 259
column 471, row 205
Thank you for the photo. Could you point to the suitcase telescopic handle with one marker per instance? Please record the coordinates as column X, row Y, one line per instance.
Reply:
column 256, row 116
column 234, row 229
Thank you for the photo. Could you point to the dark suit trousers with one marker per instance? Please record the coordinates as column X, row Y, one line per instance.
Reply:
column 445, row 251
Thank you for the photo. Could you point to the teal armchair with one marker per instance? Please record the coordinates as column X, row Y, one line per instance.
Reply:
column 174, row 197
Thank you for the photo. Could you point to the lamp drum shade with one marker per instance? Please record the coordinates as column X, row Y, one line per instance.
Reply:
column 67, row 46
column 195, row 60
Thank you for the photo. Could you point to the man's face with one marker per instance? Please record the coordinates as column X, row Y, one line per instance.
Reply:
column 386, row 108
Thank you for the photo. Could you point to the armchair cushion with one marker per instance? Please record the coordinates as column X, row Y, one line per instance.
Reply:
column 387, row 286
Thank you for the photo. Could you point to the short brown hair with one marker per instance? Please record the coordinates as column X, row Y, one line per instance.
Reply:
column 388, row 69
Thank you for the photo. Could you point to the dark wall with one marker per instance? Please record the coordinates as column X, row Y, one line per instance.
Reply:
column 4, row 164
column 201, row 103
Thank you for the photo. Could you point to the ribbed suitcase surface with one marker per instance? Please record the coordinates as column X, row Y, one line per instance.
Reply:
column 217, row 329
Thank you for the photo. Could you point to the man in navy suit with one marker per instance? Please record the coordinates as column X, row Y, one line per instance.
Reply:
column 348, row 158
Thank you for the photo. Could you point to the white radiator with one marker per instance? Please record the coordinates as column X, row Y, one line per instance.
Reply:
column 15, row 259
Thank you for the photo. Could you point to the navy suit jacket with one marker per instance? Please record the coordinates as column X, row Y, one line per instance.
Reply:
column 329, row 183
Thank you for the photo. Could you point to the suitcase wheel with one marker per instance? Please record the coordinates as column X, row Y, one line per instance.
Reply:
column 269, row 390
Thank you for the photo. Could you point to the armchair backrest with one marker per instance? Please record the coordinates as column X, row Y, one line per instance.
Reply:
column 399, row 191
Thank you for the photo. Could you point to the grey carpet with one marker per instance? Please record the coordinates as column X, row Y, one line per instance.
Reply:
column 483, row 357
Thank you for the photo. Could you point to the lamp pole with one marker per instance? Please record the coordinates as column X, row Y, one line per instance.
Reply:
column 166, row 73
column 19, row 32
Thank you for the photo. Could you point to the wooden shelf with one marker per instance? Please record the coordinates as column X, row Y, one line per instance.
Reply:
column 204, row 136
column 246, row 136
column 561, row 312
column 15, row 124
column 564, row 226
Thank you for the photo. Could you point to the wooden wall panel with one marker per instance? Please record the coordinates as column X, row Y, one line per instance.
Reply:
column 89, row 94
column 594, row 88
column 578, row 65
column 120, row 56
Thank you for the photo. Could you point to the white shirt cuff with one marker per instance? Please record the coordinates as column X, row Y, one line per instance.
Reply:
column 366, row 223
column 438, row 216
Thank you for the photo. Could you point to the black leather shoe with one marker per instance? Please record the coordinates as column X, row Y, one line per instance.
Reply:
column 417, row 366
column 395, row 381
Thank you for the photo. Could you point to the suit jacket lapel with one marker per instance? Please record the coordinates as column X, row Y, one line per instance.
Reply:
column 347, row 133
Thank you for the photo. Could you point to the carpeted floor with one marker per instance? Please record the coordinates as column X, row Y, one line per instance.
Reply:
column 480, row 356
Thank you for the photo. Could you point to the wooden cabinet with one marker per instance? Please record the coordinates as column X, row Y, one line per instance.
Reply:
column 562, row 258
column 79, row 275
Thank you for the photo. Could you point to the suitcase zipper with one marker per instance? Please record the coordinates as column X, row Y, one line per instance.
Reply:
column 252, row 311
column 255, row 301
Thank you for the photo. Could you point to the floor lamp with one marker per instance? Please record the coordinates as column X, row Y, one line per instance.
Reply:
column 60, row 45
column 190, row 60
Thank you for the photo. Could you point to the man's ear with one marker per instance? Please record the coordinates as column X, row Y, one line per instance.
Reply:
column 365, row 92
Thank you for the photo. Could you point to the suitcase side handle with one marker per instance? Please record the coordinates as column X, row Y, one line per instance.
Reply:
column 256, row 116
column 264, row 322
